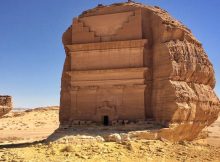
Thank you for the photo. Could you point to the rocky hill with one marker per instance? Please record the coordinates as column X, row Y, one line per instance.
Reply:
column 5, row 105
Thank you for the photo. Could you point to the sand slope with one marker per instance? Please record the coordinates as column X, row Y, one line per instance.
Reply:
column 214, row 134
column 28, row 126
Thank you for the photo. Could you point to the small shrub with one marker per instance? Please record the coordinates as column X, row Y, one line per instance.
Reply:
column 68, row 148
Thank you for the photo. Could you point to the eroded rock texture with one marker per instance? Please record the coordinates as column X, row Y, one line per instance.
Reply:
column 5, row 104
column 131, row 62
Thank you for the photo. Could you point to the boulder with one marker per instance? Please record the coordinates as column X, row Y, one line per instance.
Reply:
column 129, row 62
column 114, row 138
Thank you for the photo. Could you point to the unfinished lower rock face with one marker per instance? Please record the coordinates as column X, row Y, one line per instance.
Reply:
column 131, row 62
column 5, row 105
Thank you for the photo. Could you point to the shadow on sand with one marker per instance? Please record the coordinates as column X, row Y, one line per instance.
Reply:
column 99, row 130
column 85, row 131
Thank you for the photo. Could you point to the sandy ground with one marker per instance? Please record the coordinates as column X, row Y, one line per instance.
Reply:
column 38, row 124
column 28, row 126
column 214, row 134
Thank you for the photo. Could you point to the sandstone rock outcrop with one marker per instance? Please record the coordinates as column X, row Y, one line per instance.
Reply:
column 128, row 61
column 5, row 104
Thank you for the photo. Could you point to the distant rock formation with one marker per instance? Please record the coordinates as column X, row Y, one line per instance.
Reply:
column 5, row 105
column 130, row 62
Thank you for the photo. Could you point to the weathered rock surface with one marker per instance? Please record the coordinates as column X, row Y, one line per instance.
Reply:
column 114, row 138
column 5, row 105
column 129, row 62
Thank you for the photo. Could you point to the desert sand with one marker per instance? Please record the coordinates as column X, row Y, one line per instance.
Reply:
column 29, row 136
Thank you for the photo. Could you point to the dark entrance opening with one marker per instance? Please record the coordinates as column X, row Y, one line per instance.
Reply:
column 105, row 120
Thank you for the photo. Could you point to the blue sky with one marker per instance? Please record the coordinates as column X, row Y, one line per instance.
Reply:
column 31, row 51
